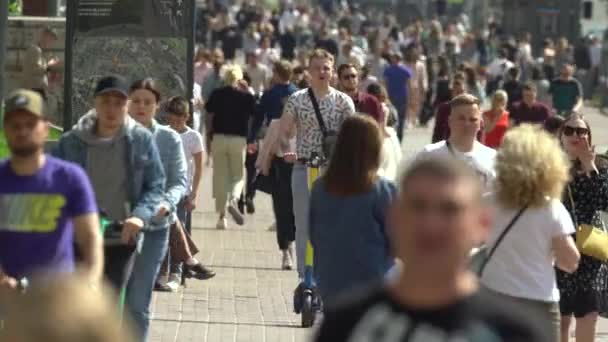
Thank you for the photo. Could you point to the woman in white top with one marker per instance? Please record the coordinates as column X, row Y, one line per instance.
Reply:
column 531, row 173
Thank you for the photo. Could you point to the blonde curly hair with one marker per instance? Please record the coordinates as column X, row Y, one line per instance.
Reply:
column 530, row 167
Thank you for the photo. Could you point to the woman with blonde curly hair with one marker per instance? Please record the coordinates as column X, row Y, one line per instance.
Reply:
column 532, row 171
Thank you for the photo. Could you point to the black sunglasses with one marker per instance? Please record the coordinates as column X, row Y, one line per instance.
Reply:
column 580, row 131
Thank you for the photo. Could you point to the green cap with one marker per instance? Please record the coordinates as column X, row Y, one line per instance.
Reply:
column 24, row 100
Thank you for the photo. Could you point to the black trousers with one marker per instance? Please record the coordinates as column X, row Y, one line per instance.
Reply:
column 251, row 173
column 282, row 202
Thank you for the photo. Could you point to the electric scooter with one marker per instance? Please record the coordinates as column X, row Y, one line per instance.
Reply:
column 307, row 300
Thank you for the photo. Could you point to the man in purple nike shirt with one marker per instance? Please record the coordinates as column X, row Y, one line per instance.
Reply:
column 46, row 204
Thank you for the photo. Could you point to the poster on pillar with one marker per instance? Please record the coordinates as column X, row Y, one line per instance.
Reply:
column 132, row 38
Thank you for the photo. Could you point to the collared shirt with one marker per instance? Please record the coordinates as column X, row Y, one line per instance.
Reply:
column 538, row 113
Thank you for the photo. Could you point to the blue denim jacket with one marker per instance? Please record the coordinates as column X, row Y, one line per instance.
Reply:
column 144, row 167
column 173, row 158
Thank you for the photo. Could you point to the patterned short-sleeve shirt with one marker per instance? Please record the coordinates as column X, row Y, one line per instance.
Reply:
column 335, row 107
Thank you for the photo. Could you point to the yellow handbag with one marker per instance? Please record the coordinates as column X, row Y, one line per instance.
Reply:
column 590, row 240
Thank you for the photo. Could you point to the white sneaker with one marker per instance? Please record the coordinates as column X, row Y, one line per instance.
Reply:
column 287, row 263
column 173, row 283
column 222, row 223
column 272, row 227
column 292, row 251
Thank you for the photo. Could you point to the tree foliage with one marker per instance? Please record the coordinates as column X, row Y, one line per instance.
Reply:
column 14, row 7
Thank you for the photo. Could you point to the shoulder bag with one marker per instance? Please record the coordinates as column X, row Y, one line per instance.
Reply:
column 591, row 241
column 329, row 137
column 482, row 256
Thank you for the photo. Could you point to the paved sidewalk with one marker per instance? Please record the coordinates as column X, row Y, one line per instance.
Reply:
column 250, row 299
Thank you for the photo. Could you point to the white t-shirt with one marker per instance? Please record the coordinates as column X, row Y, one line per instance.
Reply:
column 391, row 156
column 522, row 265
column 481, row 159
column 193, row 144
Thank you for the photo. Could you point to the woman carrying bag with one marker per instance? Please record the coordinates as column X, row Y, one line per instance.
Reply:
column 532, row 228
column 584, row 293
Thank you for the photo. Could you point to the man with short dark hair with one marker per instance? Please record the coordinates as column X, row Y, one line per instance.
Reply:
column 436, row 220
column 529, row 110
column 348, row 76
column 123, row 163
column 46, row 204
column 567, row 92
column 513, row 86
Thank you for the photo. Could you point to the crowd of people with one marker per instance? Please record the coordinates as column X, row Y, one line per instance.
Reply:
column 274, row 91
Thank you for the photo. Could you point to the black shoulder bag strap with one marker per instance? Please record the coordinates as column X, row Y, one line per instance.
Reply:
column 499, row 240
column 315, row 104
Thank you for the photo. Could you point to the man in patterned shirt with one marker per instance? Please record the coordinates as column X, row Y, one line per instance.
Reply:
column 299, row 119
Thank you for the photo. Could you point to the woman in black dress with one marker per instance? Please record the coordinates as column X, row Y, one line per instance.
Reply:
column 584, row 293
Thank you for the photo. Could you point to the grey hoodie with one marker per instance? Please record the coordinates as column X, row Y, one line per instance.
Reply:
column 106, row 166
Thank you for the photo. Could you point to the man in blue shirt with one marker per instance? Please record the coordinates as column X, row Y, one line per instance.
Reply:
column 396, row 78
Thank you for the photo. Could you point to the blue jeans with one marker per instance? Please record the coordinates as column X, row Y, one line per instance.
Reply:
column 301, row 207
column 401, row 107
column 141, row 284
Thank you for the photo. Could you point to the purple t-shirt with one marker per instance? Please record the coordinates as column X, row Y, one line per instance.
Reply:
column 397, row 77
column 36, row 212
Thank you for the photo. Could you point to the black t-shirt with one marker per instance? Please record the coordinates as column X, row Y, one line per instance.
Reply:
column 377, row 317
column 232, row 109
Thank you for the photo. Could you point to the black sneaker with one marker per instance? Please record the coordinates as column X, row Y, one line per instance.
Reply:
column 250, row 206
column 241, row 206
column 198, row 271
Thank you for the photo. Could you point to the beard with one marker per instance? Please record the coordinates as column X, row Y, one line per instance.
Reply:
column 24, row 151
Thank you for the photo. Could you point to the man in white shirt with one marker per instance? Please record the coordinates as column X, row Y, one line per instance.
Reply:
column 465, row 122
column 258, row 73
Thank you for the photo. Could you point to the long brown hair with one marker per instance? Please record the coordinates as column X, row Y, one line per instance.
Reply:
column 356, row 157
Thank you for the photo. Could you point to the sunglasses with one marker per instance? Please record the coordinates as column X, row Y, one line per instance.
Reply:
column 580, row 131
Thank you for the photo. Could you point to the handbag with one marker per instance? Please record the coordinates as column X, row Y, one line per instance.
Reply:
column 481, row 257
column 265, row 183
column 590, row 240
column 329, row 137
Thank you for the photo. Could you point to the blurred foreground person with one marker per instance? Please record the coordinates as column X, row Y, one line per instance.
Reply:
column 436, row 220
column 64, row 309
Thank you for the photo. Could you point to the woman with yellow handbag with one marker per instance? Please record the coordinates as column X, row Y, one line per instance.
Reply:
column 584, row 293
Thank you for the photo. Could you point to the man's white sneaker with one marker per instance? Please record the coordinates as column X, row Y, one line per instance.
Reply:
column 222, row 223
column 287, row 263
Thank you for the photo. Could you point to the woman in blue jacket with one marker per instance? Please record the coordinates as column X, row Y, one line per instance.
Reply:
column 144, row 99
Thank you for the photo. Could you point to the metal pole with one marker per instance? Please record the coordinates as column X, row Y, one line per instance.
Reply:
column 70, row 18
column 3, row 29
